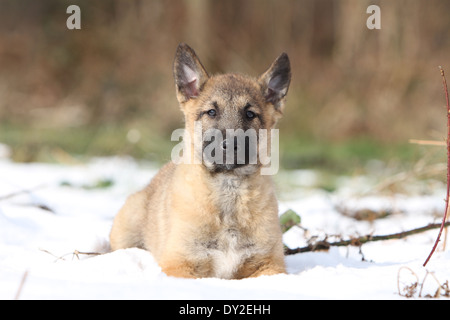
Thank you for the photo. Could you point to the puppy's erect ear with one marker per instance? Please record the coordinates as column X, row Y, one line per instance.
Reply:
column 189, row 73
column 275, row 81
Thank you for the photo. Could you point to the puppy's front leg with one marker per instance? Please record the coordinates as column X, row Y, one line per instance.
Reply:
column 183, row 268
column 262, row 267
column 268, row 270
column 179, row 269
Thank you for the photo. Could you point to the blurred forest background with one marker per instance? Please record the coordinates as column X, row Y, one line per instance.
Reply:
column 107, row 89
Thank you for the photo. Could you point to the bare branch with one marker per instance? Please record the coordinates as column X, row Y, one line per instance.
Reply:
column 325, row 245
column 444, row 82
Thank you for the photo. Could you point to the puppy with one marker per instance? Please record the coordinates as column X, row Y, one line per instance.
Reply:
column 214, row 214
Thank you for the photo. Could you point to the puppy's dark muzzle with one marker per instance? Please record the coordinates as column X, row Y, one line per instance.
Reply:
column 229, row 153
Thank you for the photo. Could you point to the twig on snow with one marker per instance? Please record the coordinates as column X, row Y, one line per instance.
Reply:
column 75, row 253
column 22, row 282
column 19, row 192
column 325, row 245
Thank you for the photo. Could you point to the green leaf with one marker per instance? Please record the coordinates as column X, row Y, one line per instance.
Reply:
column 289, row 219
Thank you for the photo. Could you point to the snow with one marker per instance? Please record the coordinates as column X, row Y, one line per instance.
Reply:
column 55, row 210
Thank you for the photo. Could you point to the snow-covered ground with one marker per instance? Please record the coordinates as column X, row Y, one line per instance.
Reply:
column 48, row 212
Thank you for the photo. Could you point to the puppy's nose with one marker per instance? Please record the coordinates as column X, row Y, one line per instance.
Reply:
column 227, row 144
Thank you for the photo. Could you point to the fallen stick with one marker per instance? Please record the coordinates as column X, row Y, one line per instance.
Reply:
column 19, row 192
column 325, row 245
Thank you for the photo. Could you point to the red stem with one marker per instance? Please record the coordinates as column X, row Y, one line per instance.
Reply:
column 448, row 168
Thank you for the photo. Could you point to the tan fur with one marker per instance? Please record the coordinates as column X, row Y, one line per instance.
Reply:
column 198, row 223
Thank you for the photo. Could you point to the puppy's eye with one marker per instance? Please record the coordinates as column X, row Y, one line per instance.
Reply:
column 250, row 114
column 211, row 112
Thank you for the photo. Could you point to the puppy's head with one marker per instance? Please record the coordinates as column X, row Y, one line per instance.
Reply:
column 224, row 114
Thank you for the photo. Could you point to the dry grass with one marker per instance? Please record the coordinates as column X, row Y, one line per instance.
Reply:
column 409, row 285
